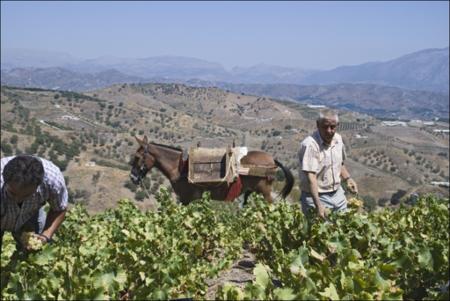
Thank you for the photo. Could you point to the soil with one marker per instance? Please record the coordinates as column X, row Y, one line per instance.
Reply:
column 240, row 273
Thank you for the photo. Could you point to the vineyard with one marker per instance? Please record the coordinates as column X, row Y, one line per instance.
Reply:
column 124, row 253
column 350, row 126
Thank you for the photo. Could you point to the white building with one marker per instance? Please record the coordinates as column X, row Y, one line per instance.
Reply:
column 316, row 106
column 90, row 164
column 69, row 117
column 446, row 131
column 394, row 123
column 442, row 184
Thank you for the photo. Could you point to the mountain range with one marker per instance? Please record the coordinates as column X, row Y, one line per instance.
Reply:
column 57, row 78
column 426, row 70
column 414, row 86
column 423, row 70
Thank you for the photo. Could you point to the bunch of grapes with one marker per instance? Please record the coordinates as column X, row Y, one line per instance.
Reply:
column 354, row 202
column 30, row 240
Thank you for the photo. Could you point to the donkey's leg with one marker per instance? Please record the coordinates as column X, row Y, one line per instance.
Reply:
column 246, row 195
column 265, row 188
column 267, row 196
column 258, row 185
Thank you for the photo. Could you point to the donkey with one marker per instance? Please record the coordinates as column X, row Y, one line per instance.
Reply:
column 169, row 160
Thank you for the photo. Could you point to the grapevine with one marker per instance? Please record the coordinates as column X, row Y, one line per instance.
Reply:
column 168, row 253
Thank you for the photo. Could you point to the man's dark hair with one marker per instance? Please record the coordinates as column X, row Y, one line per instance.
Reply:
column 24, row 170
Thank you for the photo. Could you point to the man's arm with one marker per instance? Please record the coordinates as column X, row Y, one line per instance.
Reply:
column 351, row 184
column 2, row 202
column 58, row 201
column 54, row 220
column 314, row 190
column 2, row 207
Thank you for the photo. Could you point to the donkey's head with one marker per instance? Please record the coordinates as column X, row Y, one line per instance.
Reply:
column 141, row 162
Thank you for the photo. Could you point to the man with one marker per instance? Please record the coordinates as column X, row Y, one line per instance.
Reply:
column 27, row 183
column 322, row 168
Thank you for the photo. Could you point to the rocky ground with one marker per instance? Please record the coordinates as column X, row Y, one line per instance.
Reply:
column 240, row 273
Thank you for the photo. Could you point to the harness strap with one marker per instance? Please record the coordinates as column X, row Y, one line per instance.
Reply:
column 183, row 166
column 257, row 170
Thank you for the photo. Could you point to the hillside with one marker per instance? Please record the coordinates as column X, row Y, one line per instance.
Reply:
column 90, row 136
column 376, row 100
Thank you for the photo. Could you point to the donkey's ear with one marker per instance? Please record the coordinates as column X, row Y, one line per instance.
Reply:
column 138, row 140
column 145, row 139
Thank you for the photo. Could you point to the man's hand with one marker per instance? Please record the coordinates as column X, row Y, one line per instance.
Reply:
column 351, row 184
column 321, row 211
column 42, row 237
column 32, row 241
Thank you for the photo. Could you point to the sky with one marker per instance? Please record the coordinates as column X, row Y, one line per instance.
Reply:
column 308, row 35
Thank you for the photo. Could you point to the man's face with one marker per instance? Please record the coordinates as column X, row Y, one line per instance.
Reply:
column 327, row 129
column 19, row 193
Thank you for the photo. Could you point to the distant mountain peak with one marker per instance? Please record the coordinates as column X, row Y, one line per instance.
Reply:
column 426, row 69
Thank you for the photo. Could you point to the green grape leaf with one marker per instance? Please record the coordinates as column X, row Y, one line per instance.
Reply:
column 262, row 277
column 103, row 280
column 330, row 292
column 425, row 259
column 284, row 294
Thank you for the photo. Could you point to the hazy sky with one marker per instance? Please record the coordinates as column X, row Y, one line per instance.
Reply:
column 318, row 35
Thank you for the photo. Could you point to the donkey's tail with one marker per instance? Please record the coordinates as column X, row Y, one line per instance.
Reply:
column 289, row 179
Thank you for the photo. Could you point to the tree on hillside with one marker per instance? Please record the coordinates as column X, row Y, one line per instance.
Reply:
column 13, row 139
column 140, row 196
column 6, row 148
column 130, row 185
column 96, row 177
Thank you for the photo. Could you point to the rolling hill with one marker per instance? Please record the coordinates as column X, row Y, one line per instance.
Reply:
column 376, row 100
column 90, row 136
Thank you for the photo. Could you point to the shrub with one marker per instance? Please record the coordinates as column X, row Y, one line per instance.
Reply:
column 140, row 196
column 13, row 139
column 6, row 148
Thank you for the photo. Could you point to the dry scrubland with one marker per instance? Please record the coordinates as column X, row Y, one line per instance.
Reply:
column 90, row 136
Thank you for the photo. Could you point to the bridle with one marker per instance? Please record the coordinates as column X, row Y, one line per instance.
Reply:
column 142, row 170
